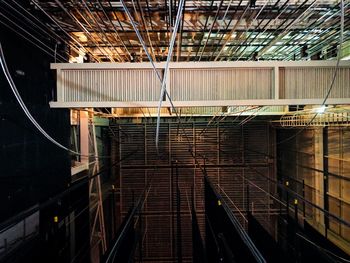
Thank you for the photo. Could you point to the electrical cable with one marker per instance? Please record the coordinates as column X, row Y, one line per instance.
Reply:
column 38, row 24
column 26, row 38
column 152, row 63
column 170, row 51
column 333, row 79
column 64, row 31
column 28, row 33
column 323, row 249
column 29, row 115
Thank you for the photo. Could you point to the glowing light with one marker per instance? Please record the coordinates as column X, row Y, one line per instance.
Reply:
column 321, row 109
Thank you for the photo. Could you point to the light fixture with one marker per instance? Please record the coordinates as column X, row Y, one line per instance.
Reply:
column 321, row 109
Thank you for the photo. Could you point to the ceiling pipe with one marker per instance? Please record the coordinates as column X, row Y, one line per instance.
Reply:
column 331, row 39
column 50, row 52
column 65, row 32
column 52, row 34
column 286, row 30
column 90, row 14
column 115, row 29
column 146, row 29
column 211, row 29
column 278, row 28
column 219, row 30
column 228, row 36
column 254, row 19
column 320, row 21
column 281, row 10
column 81, row 26
column 179, row 42
column 92, row 37
column 205, row 27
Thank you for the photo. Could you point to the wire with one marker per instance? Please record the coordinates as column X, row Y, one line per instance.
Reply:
column 26, row 38
column 333, row 79
column 152, row 63
column 27, row 112
column 170, row 51
column 323, row 249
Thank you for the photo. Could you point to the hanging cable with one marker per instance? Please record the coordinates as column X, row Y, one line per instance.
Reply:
column 151, row 60
column 28, row 114
column 170, row 51
column 333, row 79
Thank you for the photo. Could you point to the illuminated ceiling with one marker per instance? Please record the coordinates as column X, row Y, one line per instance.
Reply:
column 224, row 30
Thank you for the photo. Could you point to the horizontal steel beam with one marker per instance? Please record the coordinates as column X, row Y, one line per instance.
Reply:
column 206, row 103
column 201, row 84
column 196, row 65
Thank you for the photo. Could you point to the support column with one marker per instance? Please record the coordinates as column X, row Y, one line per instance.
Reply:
column 276, row 74
column 84, row 136
column 319, row 190
column 325, row 177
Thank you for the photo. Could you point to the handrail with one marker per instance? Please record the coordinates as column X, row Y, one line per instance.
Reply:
column 128, row 222
column 241, row 232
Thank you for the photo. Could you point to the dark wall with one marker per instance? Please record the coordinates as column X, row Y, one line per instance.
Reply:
column 31, row 167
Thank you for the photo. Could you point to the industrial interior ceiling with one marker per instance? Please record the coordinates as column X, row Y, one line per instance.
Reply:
column 239, row 154
column 224, row 30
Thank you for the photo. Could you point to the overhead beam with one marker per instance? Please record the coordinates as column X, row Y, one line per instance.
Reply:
column 201, row 84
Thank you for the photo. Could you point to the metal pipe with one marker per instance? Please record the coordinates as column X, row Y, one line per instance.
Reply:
column 179, row 42
column 227, row 27
column 90, row 14
column 255, row 18
column 150, row 22
column 146, row 29
column 31, row 35
column 212, row 26
column 219, row 30
column 285, row 21
column 320, row 21
column 114, row 28
column 107, row 43
column 326, row 35
column 62, row 29
column 231, row 32
column 79, row 24
column 42, row 25
column 204, row 28
column 281, row 35
column 280, row 11
column 163, row 88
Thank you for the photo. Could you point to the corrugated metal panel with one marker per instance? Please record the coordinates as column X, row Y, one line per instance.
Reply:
column 308, row 83
column 221, row 84
column 108, row 85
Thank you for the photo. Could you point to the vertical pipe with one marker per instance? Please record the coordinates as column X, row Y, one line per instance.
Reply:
column 247, row 199
column 178, row 221
column 113, row 212
column 304, row 198
column 287, row 198
column 140, row 236
column 172, row 209
column 325, row 178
